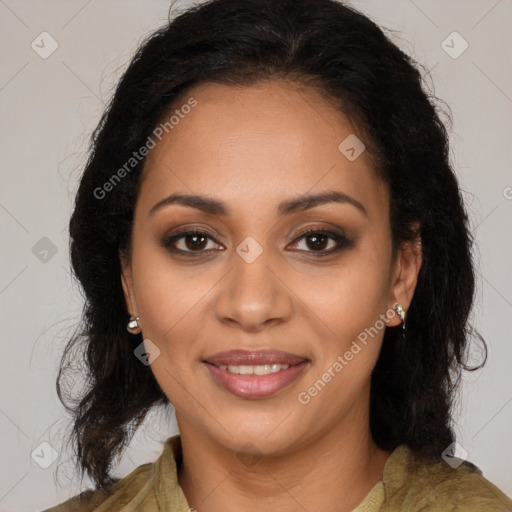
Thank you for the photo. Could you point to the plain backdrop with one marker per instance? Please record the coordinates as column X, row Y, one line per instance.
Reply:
column 49, row 107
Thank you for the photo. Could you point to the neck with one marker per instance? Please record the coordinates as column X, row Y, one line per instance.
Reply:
column 336, row 469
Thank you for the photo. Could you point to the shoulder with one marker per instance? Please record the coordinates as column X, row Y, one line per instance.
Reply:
column 151, row 486
column 119, row 493
column 416, row 484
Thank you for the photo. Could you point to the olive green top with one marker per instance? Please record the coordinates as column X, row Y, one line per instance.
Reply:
column 407, row 484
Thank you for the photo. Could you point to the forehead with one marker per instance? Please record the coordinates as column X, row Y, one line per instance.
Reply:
column 255, row 145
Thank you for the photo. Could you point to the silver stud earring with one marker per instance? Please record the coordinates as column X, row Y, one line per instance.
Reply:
column 133, row 325
column 401, row 313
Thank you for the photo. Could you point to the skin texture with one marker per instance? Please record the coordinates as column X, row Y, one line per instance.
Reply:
column 253, row 147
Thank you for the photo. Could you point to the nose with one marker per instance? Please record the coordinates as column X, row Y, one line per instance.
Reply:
column 253, row 295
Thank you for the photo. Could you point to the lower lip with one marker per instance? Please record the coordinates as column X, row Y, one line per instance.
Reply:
column 255, row 386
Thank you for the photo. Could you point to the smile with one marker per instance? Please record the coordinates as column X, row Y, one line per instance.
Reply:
column 255, row 381
column 260, row 369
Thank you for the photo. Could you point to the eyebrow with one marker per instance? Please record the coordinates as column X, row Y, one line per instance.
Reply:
column 295, row 204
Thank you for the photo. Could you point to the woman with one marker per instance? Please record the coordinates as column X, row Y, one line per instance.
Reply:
column 270, row 238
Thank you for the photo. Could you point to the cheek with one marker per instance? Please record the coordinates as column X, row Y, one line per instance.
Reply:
column 350, row 296
column 169, row 297
column 170, row 301
column 349, row 304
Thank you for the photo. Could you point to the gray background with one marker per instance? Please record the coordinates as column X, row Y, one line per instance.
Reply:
column 49, row 107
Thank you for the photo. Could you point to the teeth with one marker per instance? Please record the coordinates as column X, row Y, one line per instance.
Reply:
column 260, row 369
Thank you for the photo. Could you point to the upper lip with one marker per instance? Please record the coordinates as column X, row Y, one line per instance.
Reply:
column 257, row 357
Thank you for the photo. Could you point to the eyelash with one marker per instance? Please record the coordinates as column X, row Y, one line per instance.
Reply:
column 342, row 242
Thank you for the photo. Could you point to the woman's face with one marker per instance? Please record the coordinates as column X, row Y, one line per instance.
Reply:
column 251, row 281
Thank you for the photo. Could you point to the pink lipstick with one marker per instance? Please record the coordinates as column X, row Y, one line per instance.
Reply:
column 255, row 374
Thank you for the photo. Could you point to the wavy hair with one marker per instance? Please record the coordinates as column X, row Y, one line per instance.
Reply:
column 347, row 58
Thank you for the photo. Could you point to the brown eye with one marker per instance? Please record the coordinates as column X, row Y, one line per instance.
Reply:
column 321, row 242
column 190, row 241
column 194, row 242
column 317, row 241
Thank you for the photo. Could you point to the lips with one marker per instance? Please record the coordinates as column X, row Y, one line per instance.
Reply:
column 255, row 374
column 253, row 358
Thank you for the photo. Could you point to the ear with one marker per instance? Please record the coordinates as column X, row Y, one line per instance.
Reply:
column 405, row 277
column 127, row 284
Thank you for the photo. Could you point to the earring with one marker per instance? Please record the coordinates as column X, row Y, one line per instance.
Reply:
column 133, row 325
column 401, row 313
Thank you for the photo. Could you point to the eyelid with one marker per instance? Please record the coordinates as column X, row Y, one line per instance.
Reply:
column 338, row 236
column 319, row 229
column 167, row 241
